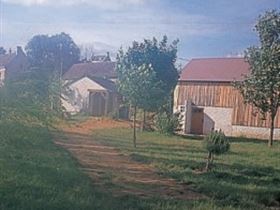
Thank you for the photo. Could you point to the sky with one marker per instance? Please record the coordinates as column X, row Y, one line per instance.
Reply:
column 205, row 28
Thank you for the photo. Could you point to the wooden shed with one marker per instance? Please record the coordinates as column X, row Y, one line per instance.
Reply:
column 206, row 97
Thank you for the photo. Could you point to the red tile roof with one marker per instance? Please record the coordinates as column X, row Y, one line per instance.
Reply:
column 96, row 69
column 215, row 69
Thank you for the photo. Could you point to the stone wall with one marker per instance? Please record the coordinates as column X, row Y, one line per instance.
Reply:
column 254, row 132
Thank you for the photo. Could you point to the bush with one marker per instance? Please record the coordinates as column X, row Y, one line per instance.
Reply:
column 216, row 143
column 167, row 124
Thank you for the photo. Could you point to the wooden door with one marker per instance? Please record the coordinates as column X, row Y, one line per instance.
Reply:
column 97, row 104
column 197, row 121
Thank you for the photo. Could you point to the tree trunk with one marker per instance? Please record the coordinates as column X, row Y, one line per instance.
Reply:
column 272, row 117
column 208, row 163
column 134, row 127
column 143, row 124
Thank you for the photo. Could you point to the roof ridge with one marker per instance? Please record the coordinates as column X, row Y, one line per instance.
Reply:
column 208, row 58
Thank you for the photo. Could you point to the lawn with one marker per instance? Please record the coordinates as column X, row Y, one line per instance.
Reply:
column 37, row 174
column 248, row 177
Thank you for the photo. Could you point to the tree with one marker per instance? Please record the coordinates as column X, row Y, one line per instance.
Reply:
column 161, row 57
column 139, row 86
column 2, row 51
column 216, row 143
column 87, row 51
column 262, row 87
column 52, row 56
column 56, row 53
column 27, row 98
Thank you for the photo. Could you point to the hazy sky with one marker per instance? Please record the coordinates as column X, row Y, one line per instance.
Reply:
column 205, row 28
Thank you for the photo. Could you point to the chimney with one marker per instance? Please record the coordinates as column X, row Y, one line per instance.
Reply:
column 19, row 50
column 108, row 57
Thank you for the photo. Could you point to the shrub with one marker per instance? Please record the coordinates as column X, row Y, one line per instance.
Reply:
column 167, row 124
column 216, row 143
column 114, row 115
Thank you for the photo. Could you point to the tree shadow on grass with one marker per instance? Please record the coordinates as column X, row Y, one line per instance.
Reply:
column 247, row 140
column 227, row 184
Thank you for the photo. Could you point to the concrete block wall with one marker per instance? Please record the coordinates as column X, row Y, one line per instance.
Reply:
column 217, row 118
column 254, row 132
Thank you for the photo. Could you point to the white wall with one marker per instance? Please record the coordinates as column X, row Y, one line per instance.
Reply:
column 254, row 132
column 217, row 118
column 2, row 75
column 79, row 97
column 221, row 118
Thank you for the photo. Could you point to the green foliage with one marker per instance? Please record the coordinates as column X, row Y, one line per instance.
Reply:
column 114, row 115
column 52, row 52
column 153, row 63
column 32, row 96
column 139, row 86
column 2, row 51
column 216, row 143
column 261, row 87
column 166, row 124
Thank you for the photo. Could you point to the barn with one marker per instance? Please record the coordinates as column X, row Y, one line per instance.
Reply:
column 207, row 100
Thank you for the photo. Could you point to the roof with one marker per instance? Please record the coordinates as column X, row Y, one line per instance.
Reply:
column 6, row 59
column 107, row 84
column 96, row 69
column 215, row 70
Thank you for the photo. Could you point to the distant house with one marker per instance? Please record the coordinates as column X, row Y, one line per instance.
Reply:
column 12, row 64
column 92, row 88
column 206, row 97
column 95, row 69
column 101, row 58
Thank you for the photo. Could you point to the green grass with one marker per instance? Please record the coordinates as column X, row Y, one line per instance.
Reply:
column 248, row 177
column 36, row 174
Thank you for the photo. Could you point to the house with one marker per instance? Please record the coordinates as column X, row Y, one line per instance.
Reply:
column 12, row 64
column 92, row 89
column 207, row 100
column 95, row 69
column 101, row 58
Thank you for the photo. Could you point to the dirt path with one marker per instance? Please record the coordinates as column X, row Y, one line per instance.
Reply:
column 112, row 170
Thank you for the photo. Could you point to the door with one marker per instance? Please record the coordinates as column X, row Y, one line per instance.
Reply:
column 197, row 121
column 97, row 104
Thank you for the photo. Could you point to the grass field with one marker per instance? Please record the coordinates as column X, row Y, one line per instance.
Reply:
column 248, row 177
column 37, row 174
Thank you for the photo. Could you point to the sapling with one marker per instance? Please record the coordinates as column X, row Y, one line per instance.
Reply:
column 216, row 143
